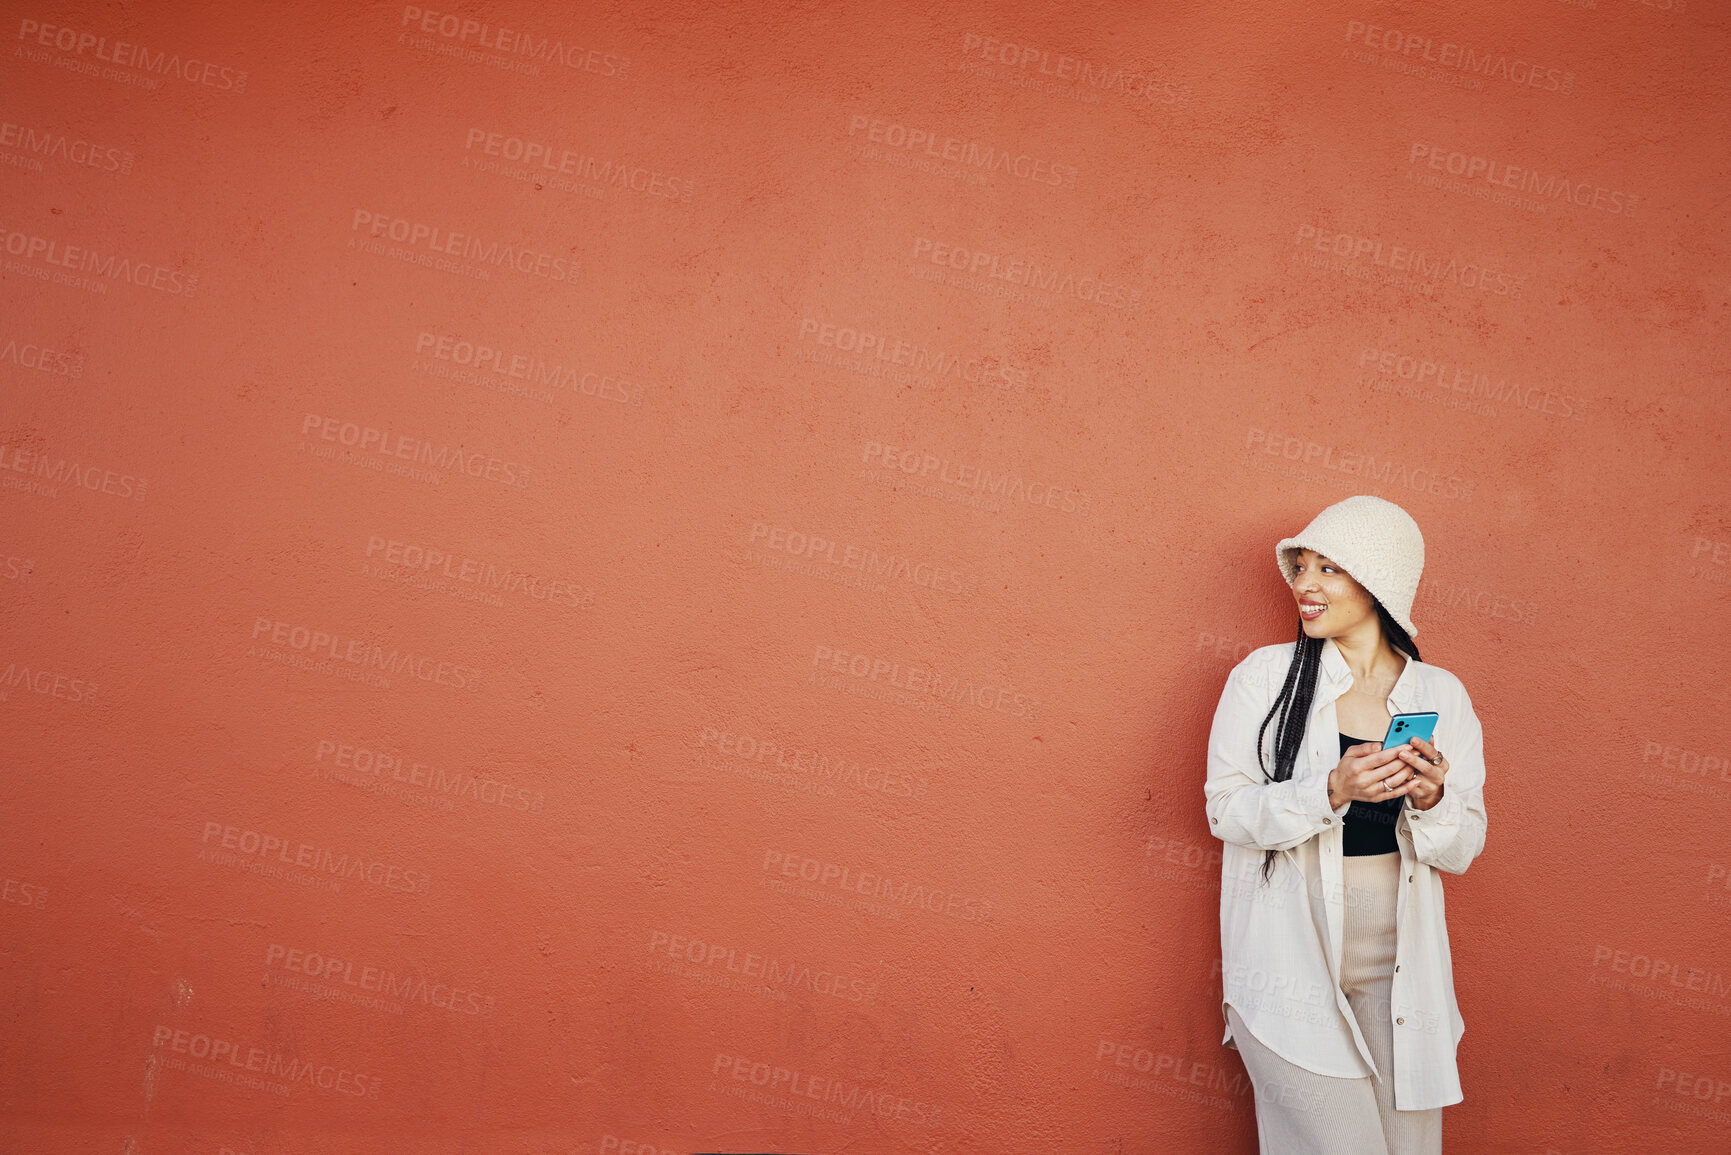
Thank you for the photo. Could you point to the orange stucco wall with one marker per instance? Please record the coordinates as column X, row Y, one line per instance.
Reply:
column 614, row 579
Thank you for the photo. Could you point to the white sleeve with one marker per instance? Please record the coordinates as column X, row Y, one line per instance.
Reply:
column 1243, row 806
column 1451, row 834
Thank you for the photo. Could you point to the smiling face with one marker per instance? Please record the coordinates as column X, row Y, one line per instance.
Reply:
column 1330, row 602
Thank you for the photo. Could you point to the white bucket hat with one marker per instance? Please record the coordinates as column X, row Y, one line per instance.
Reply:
column 1376, row 541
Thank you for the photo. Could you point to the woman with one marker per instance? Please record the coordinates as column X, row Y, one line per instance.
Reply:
column 1338, row 991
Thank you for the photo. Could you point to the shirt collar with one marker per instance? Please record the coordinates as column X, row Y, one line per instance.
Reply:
column 1339, row 676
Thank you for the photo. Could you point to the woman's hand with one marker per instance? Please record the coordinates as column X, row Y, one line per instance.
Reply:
column 1427, row 766
column 1368, row 773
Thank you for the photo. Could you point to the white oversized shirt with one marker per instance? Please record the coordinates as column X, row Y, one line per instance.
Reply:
column 1280, row 943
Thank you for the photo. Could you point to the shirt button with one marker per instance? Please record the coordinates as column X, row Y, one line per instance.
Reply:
column 1328, row 822
column 1409, row 878
column 1396, row 968
column 1216, row 821
column 1400, row 1022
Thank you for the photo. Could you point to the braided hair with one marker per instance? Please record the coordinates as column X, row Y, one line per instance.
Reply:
column 1293, row 704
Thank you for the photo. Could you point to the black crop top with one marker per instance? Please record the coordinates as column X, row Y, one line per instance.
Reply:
column 1368, row 827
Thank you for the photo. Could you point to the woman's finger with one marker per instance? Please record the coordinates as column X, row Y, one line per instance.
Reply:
column 1393, row 754
column 1393, row 782
column 1411, row 786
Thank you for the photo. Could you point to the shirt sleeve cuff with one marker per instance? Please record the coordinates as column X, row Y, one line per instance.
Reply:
column 1322, row 810
column 1446, row 810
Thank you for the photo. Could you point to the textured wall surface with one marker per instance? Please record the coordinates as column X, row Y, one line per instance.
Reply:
column 592, row 580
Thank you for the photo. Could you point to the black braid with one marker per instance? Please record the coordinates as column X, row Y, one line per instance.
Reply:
column 1293, row 704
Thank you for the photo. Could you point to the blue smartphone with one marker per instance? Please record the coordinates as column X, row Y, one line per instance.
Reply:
column 1405, row 727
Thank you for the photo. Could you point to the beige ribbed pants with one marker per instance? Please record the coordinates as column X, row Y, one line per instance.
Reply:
column 1299, row 1112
